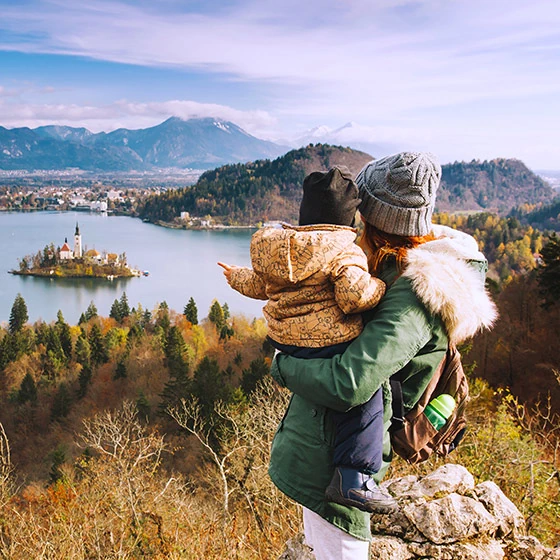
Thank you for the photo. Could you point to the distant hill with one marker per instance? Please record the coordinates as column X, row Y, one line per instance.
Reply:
column 540, row 216
column 254, row 192
column 497, row 185
column 195, row 143
column 271, row 190
column 23, row 148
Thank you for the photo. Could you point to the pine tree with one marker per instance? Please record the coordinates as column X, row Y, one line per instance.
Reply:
column 58, row 459
column 549, row 272
column 84, row 379
column 209, row 384
column 143, row 406
column 216, row 315
column 61, row 403
column 124, row 307
column 91, row 311
column 64, row 335
column 27, row 390
column 251, row 376
column 18, row 315
column 115, row 312
column 162, row 318
column 178, row 386
column 97, row 346
column 83, row 350
column 120, row 370
column 191, row 312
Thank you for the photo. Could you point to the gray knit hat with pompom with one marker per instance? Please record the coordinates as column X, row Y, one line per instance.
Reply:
column 398, row 193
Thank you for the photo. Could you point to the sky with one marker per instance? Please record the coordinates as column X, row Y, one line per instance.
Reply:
column 464, row 79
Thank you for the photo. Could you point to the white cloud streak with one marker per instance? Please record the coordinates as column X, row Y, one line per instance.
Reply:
column 125, row 114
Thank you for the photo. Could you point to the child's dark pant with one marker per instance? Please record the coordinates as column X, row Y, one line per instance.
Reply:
column 358, row 432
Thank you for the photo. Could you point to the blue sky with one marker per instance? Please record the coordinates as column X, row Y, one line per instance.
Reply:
column 462, row 78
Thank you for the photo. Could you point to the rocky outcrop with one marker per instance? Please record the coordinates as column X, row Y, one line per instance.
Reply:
column 446, row 516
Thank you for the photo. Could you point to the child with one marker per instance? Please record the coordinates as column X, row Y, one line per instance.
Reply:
column 317, row 283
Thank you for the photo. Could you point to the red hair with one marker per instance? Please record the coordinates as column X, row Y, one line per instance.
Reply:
column 379, row 246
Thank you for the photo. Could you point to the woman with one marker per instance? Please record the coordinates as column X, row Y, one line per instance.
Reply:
column 436, row 295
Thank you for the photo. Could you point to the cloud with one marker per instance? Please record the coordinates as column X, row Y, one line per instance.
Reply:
column 394, row 66
column 375, row 55
column 126, row 114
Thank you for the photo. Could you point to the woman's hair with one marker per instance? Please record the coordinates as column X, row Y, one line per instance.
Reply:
column 380, row 246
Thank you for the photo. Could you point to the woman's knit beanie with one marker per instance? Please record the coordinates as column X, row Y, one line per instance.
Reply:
column 329, row 198
column 399, row 192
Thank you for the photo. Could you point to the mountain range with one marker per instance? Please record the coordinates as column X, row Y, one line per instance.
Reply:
column 200, row 143
column 272, row 190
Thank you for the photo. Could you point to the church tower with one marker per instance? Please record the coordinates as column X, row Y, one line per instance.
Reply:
column 77, row 243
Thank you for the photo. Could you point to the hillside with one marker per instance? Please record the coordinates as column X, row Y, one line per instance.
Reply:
column 497, row 185
column 258, row 191
column 195, row 143
column 271, row 190
column 541, row 216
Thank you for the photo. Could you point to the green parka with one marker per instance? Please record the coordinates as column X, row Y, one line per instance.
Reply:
column 440, row 297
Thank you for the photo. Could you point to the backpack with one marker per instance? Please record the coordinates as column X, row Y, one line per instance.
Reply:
column 412, row 436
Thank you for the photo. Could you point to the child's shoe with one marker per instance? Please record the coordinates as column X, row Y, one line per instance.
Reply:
column 350, row 487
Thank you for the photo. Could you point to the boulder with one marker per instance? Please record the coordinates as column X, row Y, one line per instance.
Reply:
column 445, row 516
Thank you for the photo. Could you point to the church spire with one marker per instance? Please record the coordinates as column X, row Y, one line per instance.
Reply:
column 77, row 229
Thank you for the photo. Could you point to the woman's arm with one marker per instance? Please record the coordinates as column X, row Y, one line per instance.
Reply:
column 400, row 327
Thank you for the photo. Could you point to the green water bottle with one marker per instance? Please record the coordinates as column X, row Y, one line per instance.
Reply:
column 439, row 410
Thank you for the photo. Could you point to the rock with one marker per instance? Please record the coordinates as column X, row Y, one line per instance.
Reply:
column 451, row 519
column 444, row 516
column 446, row 480
column 400, row 487
column 389, row 548
column 296, row 549
column 395, row 524
column 502, row 508
column 529, row 548
column 489, row 550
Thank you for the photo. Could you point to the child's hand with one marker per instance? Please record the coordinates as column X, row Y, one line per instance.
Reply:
column 228, row 269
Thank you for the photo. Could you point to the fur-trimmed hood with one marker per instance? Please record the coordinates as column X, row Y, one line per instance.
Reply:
column 446, row 277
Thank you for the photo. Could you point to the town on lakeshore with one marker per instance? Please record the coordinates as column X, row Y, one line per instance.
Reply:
column 76, row 262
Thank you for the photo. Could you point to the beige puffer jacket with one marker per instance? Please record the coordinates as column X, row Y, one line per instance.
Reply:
column 316, row 281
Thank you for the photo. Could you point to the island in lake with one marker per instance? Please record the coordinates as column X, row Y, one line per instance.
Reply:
column 64, row 262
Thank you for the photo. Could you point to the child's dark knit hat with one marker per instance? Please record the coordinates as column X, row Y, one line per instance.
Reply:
column 329, row 198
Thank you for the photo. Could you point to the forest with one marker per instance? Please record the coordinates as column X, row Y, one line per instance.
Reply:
column 146, row 433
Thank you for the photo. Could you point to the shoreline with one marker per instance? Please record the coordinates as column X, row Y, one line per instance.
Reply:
column 53, row 274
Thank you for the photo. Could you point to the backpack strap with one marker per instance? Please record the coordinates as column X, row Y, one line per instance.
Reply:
column 397, row 419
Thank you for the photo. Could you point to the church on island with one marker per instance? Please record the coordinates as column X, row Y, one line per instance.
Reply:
column 66, row 253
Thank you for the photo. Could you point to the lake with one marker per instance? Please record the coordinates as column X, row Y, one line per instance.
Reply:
column 182, row 264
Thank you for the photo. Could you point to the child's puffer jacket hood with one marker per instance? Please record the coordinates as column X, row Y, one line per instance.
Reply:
column 291, row 254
